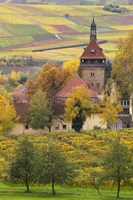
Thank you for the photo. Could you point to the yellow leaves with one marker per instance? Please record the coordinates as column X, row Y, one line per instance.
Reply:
column 110, row 110
column 72, row 65
column 77, row 103
column 122, row 71
column 15, row 76
column 7, row 115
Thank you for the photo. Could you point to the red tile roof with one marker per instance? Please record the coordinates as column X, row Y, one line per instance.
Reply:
column 70, row 86
column 19, row 97
column 22, row 110
column 93, row 51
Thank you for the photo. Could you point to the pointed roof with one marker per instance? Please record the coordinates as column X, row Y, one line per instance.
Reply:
column 76, row 81
column 93, row 51
column 93, row 24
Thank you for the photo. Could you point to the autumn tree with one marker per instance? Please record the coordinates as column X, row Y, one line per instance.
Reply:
column 118, row 164
column 110, row 103
column 72, row 65
column 40, row 111
column 15, row 76
column 51, row 79
column 22, row 168
column 52, row 166
column 78, row 107
column 7, row 116
column 122, row 70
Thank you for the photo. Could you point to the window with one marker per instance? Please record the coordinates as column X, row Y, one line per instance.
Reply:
column 56, row 127
column 92, row 74
column 64, row 126
column 92, row 51
column 92, row 84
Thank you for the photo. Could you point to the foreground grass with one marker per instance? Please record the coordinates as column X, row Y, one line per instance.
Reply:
column 8, row 192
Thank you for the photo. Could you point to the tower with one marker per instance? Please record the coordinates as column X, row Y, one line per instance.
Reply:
column 93, row 62
column 93, row 34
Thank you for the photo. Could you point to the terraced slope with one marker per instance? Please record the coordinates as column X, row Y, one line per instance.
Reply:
column 24, row 28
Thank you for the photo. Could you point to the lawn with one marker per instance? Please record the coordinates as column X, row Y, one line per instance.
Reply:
column 8, row 192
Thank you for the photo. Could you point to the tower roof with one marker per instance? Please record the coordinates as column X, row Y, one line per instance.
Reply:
column 93, row 24
column 93, row 51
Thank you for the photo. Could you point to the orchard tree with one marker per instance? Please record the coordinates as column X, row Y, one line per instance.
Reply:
column 40, row 111
column 52, row 167
column 78, row 107
column 122, row 70
column 7, row 116
column 118, row 164
column 22, row 168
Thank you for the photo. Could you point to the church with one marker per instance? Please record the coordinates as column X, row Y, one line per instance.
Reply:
column 92, row 76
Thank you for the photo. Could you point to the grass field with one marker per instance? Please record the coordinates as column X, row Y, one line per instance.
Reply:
column 24, row 25
column 8, row 192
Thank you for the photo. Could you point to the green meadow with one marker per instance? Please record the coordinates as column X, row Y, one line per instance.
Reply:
column 9, row 192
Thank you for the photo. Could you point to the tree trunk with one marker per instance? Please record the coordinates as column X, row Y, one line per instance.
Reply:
column 49, row 127
column 118, row 188
column 53, row 190
column 27, row 186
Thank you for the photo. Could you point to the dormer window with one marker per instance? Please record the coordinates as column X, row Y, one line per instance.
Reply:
column 92, row 51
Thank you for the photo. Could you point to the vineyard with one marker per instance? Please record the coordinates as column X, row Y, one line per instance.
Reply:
column 85, row 150
column 24, row 28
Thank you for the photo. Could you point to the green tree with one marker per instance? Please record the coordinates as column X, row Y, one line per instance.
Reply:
column 78, row 107
column 7, row 115
column 122, row 70
column 40, row 111
column 22, row 167
column 118, row 164
column 52, row 166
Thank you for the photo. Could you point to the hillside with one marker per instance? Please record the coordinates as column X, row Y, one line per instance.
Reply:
column 25, row 28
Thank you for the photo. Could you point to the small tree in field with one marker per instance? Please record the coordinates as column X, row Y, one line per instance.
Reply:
column 118, row 164
column 21, row 169
column 52, row 167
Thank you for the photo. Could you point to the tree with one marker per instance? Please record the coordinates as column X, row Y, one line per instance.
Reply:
column 40, row 111
column 22, row 168
column 72, row 65
column 51, row 79
column 122, row 70
column 15, row 76
column 118, row 164
column 7, row 115
column 52, row 166
column 78, row 107
column 110, row 103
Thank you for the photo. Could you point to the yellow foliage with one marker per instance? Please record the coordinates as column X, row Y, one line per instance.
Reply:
column 7, row 115
column 110, row 110
column 72, row 65
column 15, row 76
column 78, row 101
